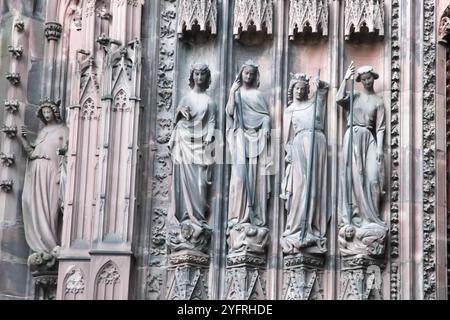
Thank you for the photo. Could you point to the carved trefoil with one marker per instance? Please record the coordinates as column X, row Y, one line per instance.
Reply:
column 364, row 17
column 74, row 285
column 188, row 275
column 253, row 15
column 197, row 15
column 308, row 16
column 107, row 282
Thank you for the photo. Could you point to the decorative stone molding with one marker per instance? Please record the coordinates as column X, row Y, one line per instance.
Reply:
column 364, row 15
column 395, row 282
column 395, row 145
column 13, row 78
column 16, row 51
column 197, row 14
column 256, row 15
column 53, row 31
column 429, row 151
column 6, row 185
column 12, row 106
column 308, row 16
column 245, row 259
column 303, row 277
column 7, row 160
column 189, row 257
column 103, row 13
column 161, row 171
column 10, row 131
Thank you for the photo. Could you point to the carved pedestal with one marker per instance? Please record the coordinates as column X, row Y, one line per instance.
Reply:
column 361, row 278
column 188, row 275
column 303, row 277
column 245, row 276
column 45, row 284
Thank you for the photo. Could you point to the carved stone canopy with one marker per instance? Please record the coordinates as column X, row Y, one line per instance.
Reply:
column 364, row 18
column 252, row 16
column 308, row 17
column 196, row 16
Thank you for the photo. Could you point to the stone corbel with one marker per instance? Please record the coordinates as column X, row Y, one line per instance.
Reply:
column 12, row 106
column 7, row 160
column 6, row 185
column 106, row 41
column 13, row 78
column 53, row 31
column 16, row 51
column 364, row 17
column 253, row 16
column 308, row 17
column 10, row 131
column 197, row 16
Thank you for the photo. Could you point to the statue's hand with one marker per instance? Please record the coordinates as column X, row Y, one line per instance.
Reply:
column 350, row 71
column 185, row 112
column 380, row 155
column 235, row 87
column 208, row 139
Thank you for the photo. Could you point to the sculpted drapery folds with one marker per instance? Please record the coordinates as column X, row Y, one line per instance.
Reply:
column 248, row 132
column 363, row 231
column 43, row 190
column 190, row 145
column 306, row 222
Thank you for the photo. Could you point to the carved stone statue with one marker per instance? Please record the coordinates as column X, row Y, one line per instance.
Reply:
column 44, row 180
column 306, row 224
column 248, row 132
column 367, row 170
column 190, row 145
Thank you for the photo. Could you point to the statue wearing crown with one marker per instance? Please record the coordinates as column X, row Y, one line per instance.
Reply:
column 43, row 191
column 304, row 186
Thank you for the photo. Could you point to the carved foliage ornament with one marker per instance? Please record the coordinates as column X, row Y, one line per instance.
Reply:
column 361, row 14
column 444, row 28
column 197, row 12
column 75, row 283
column 308, row 15
column 53, row 30
column 252, row 13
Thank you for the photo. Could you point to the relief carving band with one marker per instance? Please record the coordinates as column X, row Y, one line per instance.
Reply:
column 191, row 146
column 248, row 132
column 363, row 231
column 43, row 188
column 304, row 187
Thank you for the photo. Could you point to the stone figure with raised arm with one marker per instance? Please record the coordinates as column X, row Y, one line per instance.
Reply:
column 362, row 181
column 44, row 179
column 305, row 201
column 248, row 133
column 190, row 146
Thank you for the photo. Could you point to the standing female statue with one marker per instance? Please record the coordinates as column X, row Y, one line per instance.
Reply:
column 190, row 141
column 248, row 131
column 44, row 176
column 367, row 170
column 305, row 226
